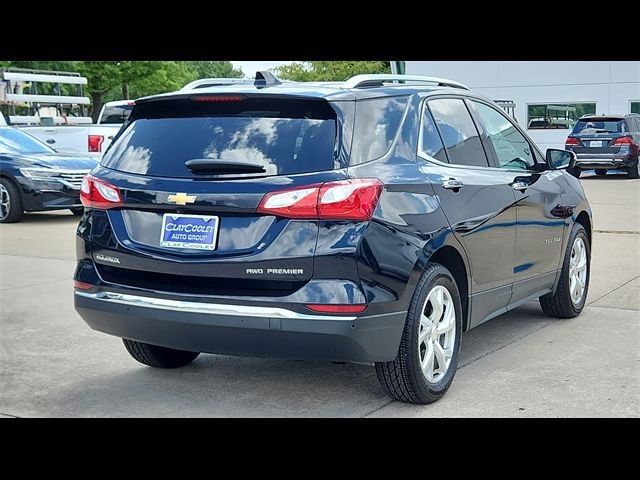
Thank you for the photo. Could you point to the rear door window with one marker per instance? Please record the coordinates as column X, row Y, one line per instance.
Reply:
column 284, row 137
column 459, row 133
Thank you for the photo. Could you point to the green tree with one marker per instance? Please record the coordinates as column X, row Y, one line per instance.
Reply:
column 207, row 69
column 326, row 71
column 101, row 78
column 148, row 78
column 115, row 80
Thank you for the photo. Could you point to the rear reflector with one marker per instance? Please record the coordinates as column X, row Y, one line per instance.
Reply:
column 95, row 143
column 217, row 98
column 623, row 141
column 82, row 285
column 572, row 141
column 95, row 193
column 337, row 308
column 341, row 200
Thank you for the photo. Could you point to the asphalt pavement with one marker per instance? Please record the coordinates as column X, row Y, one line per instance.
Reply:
column 518, row 365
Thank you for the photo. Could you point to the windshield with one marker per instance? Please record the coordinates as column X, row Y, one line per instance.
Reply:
column 282, row 138
column 115, row 114
column 594, row 126
column 16, row 141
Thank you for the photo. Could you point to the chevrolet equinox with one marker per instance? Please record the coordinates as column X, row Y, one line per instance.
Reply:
column 374, row 220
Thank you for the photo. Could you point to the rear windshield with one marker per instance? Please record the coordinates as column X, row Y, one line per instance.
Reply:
column 282, row 137
column 116, row 114
column 599, row 126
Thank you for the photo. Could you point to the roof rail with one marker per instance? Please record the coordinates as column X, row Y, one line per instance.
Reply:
column 378, row 79
column 214, row 82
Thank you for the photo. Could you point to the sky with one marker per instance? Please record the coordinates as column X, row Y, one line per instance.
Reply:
column 250, row 68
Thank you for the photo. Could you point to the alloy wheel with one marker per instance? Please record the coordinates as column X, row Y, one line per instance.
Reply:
column 437, row 333
column 5, row 202
column 577, row 271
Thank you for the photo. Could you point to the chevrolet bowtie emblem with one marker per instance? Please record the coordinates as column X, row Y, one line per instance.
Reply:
column 181, row 198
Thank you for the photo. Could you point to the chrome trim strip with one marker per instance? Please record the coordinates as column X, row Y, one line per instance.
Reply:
column 599, row 161
column 207, row 308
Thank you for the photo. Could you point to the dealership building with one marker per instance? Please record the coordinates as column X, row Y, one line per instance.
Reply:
column 546, row 96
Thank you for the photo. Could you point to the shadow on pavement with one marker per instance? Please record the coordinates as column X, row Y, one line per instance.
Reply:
column 233, row 386
column 45, row 217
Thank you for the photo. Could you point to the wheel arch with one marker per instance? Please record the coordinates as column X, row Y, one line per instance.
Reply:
column 450, row 258
column 584, row 219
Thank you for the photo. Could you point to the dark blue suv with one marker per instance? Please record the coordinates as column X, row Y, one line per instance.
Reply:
column 372, row 221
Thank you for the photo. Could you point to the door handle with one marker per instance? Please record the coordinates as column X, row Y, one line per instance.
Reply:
column 452, row 184
column 50, row 141
column 521, row 186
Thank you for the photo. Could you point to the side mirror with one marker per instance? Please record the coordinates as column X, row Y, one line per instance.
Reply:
column 560, row 159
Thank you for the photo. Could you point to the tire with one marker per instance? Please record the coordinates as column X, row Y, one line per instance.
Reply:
column 634, row 170
column 158, row 357
column 78, row 211
column 600, row 172
column 10, row 202
column 561, row 304
column 403, row 378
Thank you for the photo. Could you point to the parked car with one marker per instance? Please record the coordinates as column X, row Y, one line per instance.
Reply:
column 368, row 221
column 115, row 113
column 34, row 177
column 606, row 142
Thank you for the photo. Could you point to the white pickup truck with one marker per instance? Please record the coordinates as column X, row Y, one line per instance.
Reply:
column 92, row 139
column 51, row 106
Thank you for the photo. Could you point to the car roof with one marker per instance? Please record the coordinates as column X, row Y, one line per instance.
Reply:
column 333, row 91
column 593, row 116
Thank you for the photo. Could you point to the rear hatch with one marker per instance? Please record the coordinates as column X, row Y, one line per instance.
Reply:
column 191, row 173
column 598, row 136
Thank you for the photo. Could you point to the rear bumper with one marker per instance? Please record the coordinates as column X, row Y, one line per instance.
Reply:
column 588, row 162
column 241, row 329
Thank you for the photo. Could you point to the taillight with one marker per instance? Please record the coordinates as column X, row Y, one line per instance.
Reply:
column 95, row 143
column 341, row 200
column 328, row 308
column 623, row 141
column 99, row 194
column 572, row 141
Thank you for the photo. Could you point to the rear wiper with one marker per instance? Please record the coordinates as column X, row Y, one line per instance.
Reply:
column 206, row 165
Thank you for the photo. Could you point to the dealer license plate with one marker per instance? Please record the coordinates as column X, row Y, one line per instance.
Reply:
column 196, row 232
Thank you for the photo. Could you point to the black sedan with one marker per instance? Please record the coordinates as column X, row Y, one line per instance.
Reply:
column 34, row 177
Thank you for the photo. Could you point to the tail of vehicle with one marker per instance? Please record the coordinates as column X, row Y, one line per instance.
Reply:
column 226, row 195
